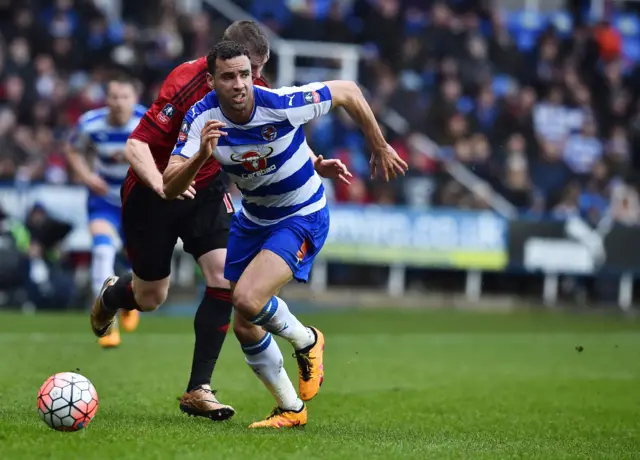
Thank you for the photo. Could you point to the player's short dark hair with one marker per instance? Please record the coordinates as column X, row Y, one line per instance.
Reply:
column 250, row 35
column 124, row 78
column 224, row 51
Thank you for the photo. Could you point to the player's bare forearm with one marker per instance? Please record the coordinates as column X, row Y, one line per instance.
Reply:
column 78, row 164
column 180, row 173
column 141, row 160
column 347, row 94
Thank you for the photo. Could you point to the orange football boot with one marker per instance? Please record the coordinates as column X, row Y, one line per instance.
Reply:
column 311, row 368
column 280, row 418
column 129, row 320
column 112, row 339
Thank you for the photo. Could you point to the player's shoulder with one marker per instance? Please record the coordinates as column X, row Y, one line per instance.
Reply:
column 186, row 75
column 287, row 97
column 139, row 110
column 204, row 105
column 94, row 118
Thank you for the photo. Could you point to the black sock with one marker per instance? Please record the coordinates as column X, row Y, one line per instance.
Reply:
column 210, row 324
column 120, row 295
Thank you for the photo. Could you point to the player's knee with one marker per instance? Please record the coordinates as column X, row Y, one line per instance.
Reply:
column 242, row 331
column 217, row 280
column 247, row 303
column 150, row 299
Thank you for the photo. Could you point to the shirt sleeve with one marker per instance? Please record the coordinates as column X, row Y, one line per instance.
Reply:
column 189, row 137
column 302, row 104
column 157, row 121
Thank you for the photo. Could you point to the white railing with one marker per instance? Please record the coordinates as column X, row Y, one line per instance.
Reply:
column 288, row 50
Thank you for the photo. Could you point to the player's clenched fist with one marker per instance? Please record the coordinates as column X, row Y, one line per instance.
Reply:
column 209, row 136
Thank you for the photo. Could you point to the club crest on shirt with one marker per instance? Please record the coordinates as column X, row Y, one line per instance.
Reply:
column 166, row 113
column 311, row 97
column 184, row 132
column 254, row 162
column 269, row 133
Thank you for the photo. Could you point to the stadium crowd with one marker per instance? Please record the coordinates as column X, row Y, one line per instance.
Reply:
column 548, row 116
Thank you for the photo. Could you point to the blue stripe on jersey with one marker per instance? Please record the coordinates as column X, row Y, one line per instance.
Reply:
column 273, row 100
column 254, row 135
column 210, row 101
column 277, row 161
column 111, row 180
column 94, row 115
column 106, row 160
column 273, row 213
column 291, row 183
column 102, row 136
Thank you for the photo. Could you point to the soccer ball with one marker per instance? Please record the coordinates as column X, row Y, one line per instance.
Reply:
column 67, row 401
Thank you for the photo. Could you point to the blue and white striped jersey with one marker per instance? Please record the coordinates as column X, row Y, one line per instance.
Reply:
column 93, row 130
column 268, row 157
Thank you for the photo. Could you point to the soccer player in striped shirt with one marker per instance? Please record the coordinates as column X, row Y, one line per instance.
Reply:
column 104, row 133
column 257, row 135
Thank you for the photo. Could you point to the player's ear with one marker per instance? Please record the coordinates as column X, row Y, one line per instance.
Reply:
column 210, row 81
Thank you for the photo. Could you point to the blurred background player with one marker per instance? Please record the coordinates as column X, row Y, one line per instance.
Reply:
column 258, row 137
column 102, row 134
column 201, row 219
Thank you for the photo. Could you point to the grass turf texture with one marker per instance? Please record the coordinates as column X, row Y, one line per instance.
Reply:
column 405, row 384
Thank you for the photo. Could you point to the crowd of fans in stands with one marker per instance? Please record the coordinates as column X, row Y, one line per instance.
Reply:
column 552, row 125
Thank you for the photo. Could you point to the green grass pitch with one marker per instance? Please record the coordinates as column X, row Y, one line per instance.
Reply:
column 399, row 384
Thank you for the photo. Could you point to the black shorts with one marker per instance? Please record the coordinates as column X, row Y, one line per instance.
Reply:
column 152, row 226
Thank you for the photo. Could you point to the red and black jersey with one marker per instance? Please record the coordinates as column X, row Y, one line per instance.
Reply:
column 160, row 126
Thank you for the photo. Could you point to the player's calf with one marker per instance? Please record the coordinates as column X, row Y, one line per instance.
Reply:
column 141, row 296
column 308, row 343
column 264, row 357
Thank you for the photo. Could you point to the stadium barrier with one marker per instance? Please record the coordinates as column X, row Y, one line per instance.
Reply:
column 470, row 241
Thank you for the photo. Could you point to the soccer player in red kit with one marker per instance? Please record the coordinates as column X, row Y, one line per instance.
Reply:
column 200, row 218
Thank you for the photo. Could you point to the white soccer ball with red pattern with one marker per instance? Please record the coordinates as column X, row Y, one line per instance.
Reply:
column 67, row 401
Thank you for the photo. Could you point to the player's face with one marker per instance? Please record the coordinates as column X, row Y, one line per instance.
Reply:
column 121, row 97
column 257, row 64
column 234, row 84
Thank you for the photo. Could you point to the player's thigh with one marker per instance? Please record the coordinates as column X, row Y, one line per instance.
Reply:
column 212, row 266
column 102, row 226
column 298, row 241
column 262, row 279
column 150, row 233
column 205, row 231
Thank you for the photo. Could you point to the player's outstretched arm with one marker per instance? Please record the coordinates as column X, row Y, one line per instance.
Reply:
column 141, row 160
column 80, row 166
column 384, row 158
column 183, row 165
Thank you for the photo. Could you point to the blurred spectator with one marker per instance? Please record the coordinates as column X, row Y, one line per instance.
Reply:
column 582, row 151
column 549, row 173
column 14, row 244
column 50, row 285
